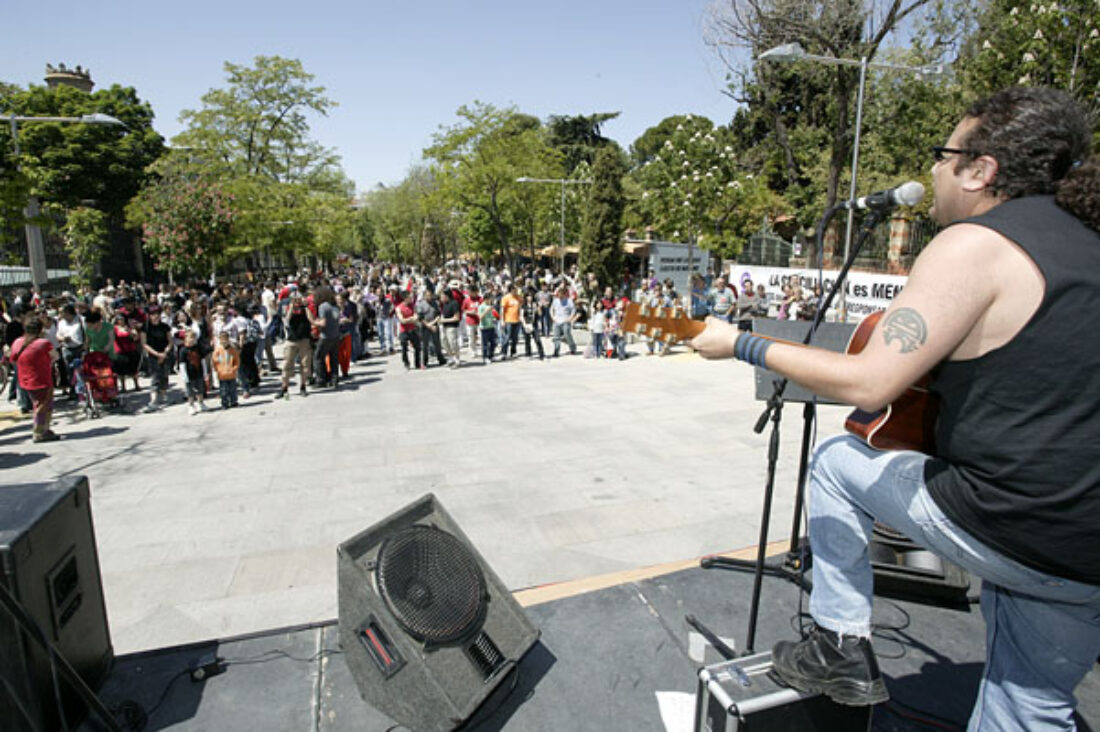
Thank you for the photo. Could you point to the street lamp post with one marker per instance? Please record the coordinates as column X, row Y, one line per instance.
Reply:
column 791, row 52
column 36, row 250
column 564, row 182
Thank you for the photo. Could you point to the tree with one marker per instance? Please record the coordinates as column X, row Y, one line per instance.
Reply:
column 577, row 137
column 185, row 220
column 848, row 29
column 400, row 214
column 693, row 186
column 258, row 126
column 69, row 164
column 1046, row 43
column 478, row 160
column 291, row 197
column 86, row 240
column 602, row 235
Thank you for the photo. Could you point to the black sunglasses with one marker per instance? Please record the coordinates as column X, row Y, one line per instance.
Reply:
column 939, row 153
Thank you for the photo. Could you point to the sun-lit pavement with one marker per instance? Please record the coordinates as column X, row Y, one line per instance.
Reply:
column 227, row 522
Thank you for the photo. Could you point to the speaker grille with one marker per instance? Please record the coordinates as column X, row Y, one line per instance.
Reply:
column 431, row 583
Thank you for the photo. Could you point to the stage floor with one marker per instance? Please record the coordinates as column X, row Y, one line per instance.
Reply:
column 608, row 659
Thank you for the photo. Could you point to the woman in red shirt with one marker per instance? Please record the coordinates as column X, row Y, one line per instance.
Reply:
column 127, row 356
column 34, row 356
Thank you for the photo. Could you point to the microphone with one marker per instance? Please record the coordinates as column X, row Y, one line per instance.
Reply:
column 907, row 194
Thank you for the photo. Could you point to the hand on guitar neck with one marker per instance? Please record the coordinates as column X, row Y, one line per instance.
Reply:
column 905, row 424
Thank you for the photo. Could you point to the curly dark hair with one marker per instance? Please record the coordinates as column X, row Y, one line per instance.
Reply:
column 1041, row 139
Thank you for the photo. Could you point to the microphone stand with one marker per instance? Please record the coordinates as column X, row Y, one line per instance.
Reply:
column 792, row 566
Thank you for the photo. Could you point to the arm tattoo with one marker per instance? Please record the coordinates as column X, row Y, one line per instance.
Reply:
column 906, row 326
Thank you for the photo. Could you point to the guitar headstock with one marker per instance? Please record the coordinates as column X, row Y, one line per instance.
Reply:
column 668, row 325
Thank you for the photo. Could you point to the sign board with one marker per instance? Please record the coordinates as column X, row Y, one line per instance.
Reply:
column 669, row 260
column 866, row 291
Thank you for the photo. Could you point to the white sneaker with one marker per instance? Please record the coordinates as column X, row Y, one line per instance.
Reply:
column 202, row 407
column 193, row 409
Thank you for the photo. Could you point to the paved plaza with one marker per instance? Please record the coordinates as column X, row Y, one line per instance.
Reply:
column 227, row 522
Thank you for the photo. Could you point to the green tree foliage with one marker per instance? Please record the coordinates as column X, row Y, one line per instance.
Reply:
column 400, row 214
column 693, row 186
column 86, row 239
column 904, row 117
column 478, row 160
column 577, row 137
column 185, row 220
column 253, row 137
column 1045, row 43
column 840, row 29
column 258, row 124
column 68, row 165
column 601, row 238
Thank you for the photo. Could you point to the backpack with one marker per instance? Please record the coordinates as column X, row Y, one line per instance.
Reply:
column 254, row 333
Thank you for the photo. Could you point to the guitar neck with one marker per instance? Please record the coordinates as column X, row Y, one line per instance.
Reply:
column 668, row 325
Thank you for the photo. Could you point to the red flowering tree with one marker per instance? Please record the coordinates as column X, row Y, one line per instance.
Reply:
column 185, row 221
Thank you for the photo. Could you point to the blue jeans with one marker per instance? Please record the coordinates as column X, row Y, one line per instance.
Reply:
column 564, row 331
column 488, row 343
column 228, row 391
column 1042, row 632
column 598, row 347
column 385, row 333
column 511, row 339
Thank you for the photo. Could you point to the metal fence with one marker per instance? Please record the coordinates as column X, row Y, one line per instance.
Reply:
column 876, row 251
column 767, row 250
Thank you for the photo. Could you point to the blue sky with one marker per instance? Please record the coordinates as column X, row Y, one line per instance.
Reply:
column 398, row 69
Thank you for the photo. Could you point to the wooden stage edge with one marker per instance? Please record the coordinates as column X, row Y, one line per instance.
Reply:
column 559, row 590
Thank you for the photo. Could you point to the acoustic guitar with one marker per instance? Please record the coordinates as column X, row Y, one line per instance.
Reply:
column 908, row 423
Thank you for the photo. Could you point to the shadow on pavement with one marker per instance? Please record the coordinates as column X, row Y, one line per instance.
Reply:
column 9, row 460
column 102, row 431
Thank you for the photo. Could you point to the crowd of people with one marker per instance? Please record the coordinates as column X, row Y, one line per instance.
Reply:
column 219, row 341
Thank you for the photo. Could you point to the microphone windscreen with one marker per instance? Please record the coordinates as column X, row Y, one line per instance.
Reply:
column 909, row 194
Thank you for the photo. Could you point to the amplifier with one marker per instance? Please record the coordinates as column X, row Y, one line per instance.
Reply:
column 907, row 571
column 741, row 696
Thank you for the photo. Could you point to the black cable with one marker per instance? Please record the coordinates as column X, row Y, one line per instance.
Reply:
column 164, row 694
column 276, row 654
column 927, row 719
column 19, row 705
column 57, row 687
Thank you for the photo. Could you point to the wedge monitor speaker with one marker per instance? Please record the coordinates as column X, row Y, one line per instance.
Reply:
column 428, row 629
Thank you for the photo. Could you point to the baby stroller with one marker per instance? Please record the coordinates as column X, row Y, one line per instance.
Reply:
column 95, row 382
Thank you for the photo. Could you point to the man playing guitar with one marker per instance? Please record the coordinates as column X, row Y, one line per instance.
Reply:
column 996, row 308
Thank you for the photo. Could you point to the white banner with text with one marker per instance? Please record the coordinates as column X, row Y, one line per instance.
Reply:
column 866, row 292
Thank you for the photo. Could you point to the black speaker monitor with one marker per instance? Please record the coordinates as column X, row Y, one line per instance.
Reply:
column 428, row 629
column 831, row 336
column 49, row 565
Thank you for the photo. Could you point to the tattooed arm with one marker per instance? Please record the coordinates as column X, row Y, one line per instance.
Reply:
column 951, row 289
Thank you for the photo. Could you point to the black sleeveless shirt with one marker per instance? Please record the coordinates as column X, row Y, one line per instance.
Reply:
column 1018, row 438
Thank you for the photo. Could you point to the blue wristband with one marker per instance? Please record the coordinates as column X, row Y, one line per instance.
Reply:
column 751, row 348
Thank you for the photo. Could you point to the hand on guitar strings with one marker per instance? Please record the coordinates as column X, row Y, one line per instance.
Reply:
column 716, row 341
